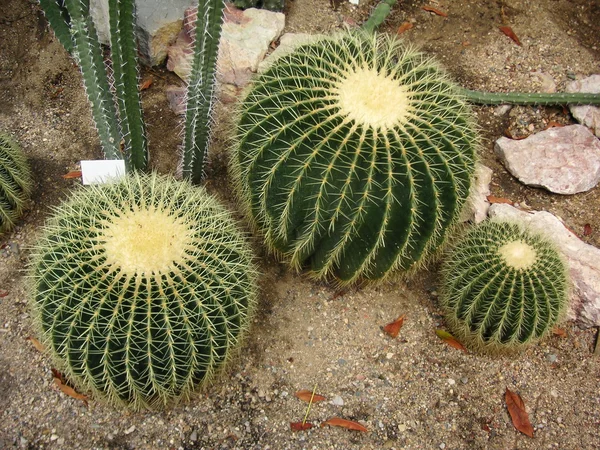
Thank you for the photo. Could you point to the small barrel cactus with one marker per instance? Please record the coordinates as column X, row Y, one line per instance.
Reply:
column 503, row 287
column 15, row 182
column 142, row 289
column 354, row 156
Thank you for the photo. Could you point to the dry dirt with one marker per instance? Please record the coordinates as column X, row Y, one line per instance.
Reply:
column 411, row 392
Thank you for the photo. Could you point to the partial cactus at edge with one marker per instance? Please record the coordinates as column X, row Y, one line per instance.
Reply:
column 15, row 182
column 142, row 289
column 354, row 156
column 503, row 287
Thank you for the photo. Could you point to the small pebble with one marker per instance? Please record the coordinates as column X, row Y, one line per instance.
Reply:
column 130, row 430
column 337, row 401
column 194, row 436
column 442, row 445
column 551, row 357
column 464, row 380
column 451, row 381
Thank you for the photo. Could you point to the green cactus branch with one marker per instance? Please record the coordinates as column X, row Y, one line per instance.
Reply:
column 125, row 70
column 200, row 88
column 58, row 18
column 383, row 9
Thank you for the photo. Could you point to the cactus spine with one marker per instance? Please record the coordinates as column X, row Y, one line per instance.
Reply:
column 503, row 287
column 200, row 89
column 354, row 156
column 15, row 182
column 142, row 289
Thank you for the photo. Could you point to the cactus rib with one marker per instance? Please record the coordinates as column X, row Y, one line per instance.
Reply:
column 15, row 182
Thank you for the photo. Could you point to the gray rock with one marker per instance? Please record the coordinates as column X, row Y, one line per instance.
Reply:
column 586, row 114
column 564, row 160
column 583, row 260
column 477, row 205
column 158, row 23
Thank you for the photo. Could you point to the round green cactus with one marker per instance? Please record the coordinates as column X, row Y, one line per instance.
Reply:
column 354, row 155
column 503, row 287
column 15, row 182
column 142, row 289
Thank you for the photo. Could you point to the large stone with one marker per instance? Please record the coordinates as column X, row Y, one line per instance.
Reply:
column 586, row 114
column 564, row 160
column 287, row 44
column 158, row 23
column 583, row 260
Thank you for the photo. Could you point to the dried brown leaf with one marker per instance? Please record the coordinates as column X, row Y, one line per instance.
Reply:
column 37, row 344
column 450, row 340
column 70, row 391
column 393, row 328
column 518, row 414
column 404, row 27
column 3, row 293
column 435, row 11
column 146, row 84
column 72, row 174
column 494, row 199
column 349, row 424
column 306, row 395
column 560, row 332
column 553, row 124
column 587, row 229
column 300, row 426
column 510, row 33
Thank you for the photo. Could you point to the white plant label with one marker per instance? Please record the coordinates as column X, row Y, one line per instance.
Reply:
column 102, row 171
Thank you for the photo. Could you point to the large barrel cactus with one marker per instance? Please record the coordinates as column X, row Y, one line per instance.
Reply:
column 15, row 182
column 354, row 156
column 503, row 287
column 142, row 289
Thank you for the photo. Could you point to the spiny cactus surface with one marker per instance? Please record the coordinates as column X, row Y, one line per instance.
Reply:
column 354, row 156
column 142, row 289
column 503, row 287
column 15, row 182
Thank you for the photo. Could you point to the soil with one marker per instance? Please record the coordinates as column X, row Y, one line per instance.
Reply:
column 410, row 392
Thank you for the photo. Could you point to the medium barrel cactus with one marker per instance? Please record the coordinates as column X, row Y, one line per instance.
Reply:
column 15, row 182
column 354, row 156
column 503, row 287
column 142, row 289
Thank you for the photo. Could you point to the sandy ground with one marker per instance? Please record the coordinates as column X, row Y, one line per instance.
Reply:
column 410, row 392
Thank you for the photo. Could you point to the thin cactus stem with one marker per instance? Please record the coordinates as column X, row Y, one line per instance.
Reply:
column 200, row 88
column 520, row 98
column 58, row 18
column 88, row 54
column 124, row 63
column 379, row 14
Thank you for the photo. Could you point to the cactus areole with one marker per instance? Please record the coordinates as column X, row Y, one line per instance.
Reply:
column 354, row 156
column 142, row 289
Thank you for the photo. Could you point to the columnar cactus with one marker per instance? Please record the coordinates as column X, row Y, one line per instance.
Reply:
column 354, row 156
column 142, row 289
column 15, row 182
column 503, row 287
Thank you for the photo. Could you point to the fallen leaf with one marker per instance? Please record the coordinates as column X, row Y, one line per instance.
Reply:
column 450, row 340
column 553, row 124
column 435, row 11
column 516, row 409
column 72, row 174
column 146, row 84
column 510, row 33
column 37, row 344
column 306, row 395
column 349, row 424
column 587, row 229
column 69, row 390
column 493, row 199
column 393, row 328
column 300, row 426
column 560, row 332
column 3, row 293
column 404, row 27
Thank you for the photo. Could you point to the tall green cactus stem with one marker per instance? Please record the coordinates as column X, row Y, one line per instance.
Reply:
column 503, row 287
column 88, row 54
column 15, row 182
column 123, row 45
column 354, row 156
column 200, row 96
column 58, row 18
column 142, row 289
column 378, row 15
column 522, row 98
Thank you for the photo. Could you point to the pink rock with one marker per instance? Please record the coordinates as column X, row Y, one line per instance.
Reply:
column 586, row 114
column 176, row 98
column 582, row 259
column 564, row 160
